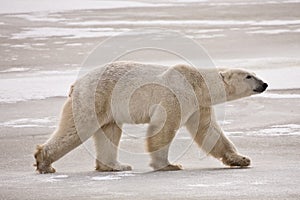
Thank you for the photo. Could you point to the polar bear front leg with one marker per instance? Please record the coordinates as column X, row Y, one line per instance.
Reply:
column 226, row 151
column 106, row 142
column 62, row 141
column 209, row 136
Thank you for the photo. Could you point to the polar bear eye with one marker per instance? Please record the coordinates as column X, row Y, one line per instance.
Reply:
column 248, row 77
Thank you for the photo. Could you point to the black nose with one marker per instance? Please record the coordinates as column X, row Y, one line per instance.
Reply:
column 265, row 86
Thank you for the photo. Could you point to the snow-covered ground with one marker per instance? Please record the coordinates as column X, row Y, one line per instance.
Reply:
column 43, row 42
column 20, row 6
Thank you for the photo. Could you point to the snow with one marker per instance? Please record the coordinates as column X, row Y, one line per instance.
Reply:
column 274, row 31
column 28, row 122
column 222, row 184
column 67, row 33
column 39, row 17
column 105, row 178
column 75, row 33
column 245, row 3
column 15, row 69
column 291, row 126
column 275, row 130
column 74, row 44
column 279, row 96
column 281, row 78
column 189, row 22
column 114, row 176
column 279, row 131
column 60, row 177
column 19, row 88
column 20, row 6
column 204, row 36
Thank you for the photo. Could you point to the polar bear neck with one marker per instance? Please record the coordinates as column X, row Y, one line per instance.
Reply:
column 207, row 83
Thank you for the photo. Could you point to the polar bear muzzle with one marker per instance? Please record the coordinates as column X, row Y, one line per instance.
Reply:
column 262, row 87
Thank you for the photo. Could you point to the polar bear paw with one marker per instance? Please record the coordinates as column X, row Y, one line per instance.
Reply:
column 43, row 163
column 45, row 169
column 169, row 167
column 233, row 160
column 112, row 167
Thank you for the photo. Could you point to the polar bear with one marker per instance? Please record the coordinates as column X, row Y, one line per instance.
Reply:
column 166, row 98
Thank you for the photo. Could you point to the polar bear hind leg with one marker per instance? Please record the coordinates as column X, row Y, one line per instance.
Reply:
column 106, row 142
column 158, row 146
column 161, row 131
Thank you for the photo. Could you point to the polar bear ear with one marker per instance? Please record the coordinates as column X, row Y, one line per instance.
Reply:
column 222, row 74
column 226, row 75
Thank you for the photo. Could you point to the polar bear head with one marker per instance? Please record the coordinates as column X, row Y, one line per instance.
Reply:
column 241, row 83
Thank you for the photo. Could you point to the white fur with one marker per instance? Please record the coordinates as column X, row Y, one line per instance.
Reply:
column 165, row 97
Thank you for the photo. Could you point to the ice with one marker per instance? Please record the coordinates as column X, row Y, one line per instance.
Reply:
column 258, row 183
column 56, row 178
column 278, row 131
column 261, row 63
column 187, row 1
column 74, row 44
column 238, row 3
column 68, row 33
column 279, row 96
column 39, row 17
column 39, row 44
column 222, row 184
column 203, row 36
column 204, row 31
column 124, row 174
column 277, row 22
column 15, row 69
column 75, row 33
column 36, row 85
column 105, row 178
column 234, row 133
column 281, row 78
column 200, row 185
column 19, row 6
column 87, row 32
column 225, row 122
column 291, row 126
column 114, row 176
column 28, row 122
column 275, row 130
column 272, row 32
column 60, row 177
column 189, row 22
